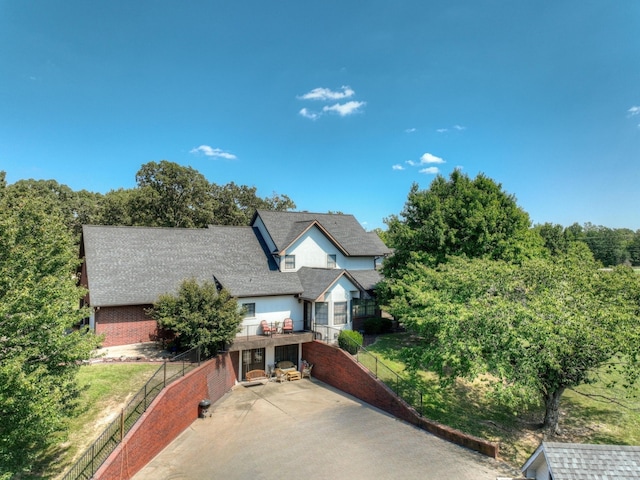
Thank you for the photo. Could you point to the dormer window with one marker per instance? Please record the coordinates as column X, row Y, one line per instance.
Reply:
column 331, row 261
column 289, row 262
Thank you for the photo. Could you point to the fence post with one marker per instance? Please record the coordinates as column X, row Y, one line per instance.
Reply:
column 121, row 424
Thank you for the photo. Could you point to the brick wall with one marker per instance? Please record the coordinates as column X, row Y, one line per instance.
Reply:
column 125, row 325
column 169, row 415
column 338, row 369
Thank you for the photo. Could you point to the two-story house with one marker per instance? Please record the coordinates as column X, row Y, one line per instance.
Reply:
column 316, row 269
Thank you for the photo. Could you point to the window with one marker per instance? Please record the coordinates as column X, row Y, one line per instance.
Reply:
column 331, row 261
column 287, row 352
column 363, row 307
column 249, row 310
column 322, row 313
column 289, row 262
column 339, row 313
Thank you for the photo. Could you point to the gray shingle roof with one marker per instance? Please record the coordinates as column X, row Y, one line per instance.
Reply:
column 315, row 281
column 285, row 227
column 574, row 461
column 134, row 265
column 366, row 278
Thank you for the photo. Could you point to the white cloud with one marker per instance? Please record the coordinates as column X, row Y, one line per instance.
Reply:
column 410, row 130
column 428, row 158
column 344, row 109
column 398, row 167
column 430, row 170
column 326, row 94
column 635, row 110
column 458, row 128
column 306, row 113
column 212, row 152
column 412, row 163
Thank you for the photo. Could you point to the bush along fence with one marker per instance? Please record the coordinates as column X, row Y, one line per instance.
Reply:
column 99, row 451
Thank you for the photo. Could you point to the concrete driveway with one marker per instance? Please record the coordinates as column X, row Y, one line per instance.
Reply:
column 306, row 429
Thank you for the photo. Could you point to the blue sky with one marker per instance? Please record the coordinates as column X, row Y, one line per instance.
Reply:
column 341, row 105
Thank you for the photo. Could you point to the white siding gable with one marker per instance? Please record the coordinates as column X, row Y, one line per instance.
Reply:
column 312, row 248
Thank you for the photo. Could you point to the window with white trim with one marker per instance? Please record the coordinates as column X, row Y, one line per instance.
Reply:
column 289, row 262
column 322, row 313
column 249, row 310
column 340, row 313
column 331, row 261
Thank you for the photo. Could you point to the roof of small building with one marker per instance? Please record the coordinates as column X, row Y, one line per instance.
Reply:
column 134, row 265
column 286, row 227
column 575, row 461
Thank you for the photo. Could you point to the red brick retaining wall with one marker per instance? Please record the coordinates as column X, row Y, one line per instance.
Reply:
column 175, row 408
column 125, row 325
column 339, row 369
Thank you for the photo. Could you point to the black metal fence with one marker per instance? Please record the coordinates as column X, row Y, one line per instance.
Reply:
column 99, row 451
column 400, row 385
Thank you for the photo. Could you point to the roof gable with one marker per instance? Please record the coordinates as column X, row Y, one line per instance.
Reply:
column 344, row 231
column 317, row 281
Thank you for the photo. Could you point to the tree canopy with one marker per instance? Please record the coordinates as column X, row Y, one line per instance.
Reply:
column 199, row 316
column 538, row 328
column 40, row 351
column 486, row 293
column 472, row 218
column 171, row 195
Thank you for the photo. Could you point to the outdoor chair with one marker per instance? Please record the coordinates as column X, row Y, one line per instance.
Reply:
column 306, row 370
column 288, row 326
column 266, row 329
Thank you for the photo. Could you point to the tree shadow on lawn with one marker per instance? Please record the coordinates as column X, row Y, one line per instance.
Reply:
column 592, row 422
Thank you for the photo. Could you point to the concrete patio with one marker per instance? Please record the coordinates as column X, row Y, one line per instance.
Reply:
column 309, row 430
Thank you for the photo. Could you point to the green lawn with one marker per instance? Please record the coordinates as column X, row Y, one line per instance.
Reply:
column 467, row 407
column 105, row 390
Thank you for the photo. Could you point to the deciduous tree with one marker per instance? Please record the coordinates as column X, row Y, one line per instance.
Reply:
column 199, row 315
column 40, row 351
column 538, row 328
column 472, row 218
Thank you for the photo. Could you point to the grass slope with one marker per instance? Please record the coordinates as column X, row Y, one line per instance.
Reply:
column 105, row 390
column 587, row 416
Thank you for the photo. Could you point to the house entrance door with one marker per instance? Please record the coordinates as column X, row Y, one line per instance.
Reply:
column 252, row 360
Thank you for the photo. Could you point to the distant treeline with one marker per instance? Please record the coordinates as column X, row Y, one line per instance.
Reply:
column 166, row 195
column 610, row 246
column 171, row 195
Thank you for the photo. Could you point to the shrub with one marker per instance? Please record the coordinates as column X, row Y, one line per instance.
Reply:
column 350, row 341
